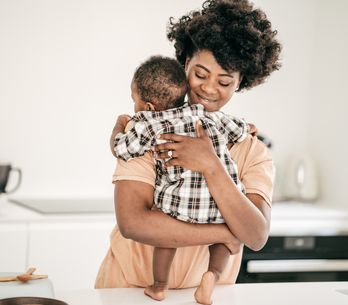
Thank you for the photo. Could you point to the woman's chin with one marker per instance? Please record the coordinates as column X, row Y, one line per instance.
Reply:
column 208, row 106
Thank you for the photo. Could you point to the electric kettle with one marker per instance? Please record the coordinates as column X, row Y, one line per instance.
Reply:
column 300, row 181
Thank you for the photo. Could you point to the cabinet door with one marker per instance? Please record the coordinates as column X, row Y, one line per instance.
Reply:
column 70, row 253
column 13, row 243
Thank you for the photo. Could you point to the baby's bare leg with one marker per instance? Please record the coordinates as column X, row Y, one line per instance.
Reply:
column 162, row 260
column 219, row 255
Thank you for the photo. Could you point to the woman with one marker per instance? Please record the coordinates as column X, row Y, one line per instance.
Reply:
column 227, row 47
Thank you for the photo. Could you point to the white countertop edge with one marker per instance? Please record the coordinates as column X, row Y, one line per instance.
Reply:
column 319, row 293
column 13, row 213
column 288, row 218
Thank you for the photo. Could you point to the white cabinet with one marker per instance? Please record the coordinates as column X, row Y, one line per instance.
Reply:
column 69, row 252
column 68, row 247
column 13, row 245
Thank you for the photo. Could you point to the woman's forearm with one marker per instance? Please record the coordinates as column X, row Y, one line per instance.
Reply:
column 136, row 220
column 160, row 230
column 248, row 217
column 246, row 221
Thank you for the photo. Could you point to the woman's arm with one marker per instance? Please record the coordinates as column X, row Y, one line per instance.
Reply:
column 247, row 216
column 136, row 220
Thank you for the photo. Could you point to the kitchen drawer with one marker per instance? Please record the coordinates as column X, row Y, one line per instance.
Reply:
column 69, row 252
column 14, row 243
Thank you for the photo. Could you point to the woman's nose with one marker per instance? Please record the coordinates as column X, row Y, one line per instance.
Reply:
column 208, row 86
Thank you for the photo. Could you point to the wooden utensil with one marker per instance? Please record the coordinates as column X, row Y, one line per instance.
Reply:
column 28, row 275
column 25, row 277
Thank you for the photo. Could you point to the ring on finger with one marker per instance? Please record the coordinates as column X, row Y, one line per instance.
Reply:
column 170, row 154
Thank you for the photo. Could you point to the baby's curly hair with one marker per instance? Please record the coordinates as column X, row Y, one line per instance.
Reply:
column 162, row 82
column 239, row 36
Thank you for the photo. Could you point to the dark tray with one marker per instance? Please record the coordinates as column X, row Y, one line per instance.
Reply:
column 31, row 301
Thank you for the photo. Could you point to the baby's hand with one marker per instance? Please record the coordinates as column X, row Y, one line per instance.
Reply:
column 253, row 129
column 121, row 123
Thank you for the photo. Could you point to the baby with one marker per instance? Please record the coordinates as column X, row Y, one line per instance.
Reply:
column 159, row 88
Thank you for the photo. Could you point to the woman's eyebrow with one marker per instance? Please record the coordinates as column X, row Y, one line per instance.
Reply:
column 206, row 69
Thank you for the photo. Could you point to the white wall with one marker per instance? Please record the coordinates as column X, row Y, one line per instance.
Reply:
column 280, row 107
column 329, row 98
column 65, row 69
column 65, row 73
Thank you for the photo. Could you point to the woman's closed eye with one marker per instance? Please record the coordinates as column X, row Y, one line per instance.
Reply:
column 224, row 84
column 201, row 76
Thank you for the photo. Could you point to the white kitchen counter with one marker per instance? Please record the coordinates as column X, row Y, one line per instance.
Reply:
column 85, row 236
column 323, row 293
column 288, row 218
column 14, row 213
column 306, row 219
column 68, row 247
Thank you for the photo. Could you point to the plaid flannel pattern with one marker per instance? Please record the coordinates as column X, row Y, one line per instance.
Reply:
column 179, row 192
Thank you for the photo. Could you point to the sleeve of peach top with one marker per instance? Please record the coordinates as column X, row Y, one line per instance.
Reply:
column 138, row 169
column 255, row 166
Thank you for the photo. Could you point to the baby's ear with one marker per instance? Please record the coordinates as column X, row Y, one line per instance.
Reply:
column 150, row 107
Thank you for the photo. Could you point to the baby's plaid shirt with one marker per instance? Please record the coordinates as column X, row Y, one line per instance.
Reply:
column 180, row 192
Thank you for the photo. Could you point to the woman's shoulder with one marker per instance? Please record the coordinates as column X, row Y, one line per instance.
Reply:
column 255, row 166
column 250, row 152
column 251, row 146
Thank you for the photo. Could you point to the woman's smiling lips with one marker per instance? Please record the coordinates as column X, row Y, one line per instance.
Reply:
column 204, row 99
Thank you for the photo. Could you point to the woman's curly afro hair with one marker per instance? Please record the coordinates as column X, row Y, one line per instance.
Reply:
column 239, row 36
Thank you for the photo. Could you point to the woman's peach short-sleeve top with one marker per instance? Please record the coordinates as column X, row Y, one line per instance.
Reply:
column 129, row 263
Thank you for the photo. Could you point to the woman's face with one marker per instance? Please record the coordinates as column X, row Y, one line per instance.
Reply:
column 210, row 85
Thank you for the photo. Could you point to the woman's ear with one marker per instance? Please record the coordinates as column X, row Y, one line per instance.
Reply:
column 239, row 82
column 187, row 61
column 150, row 107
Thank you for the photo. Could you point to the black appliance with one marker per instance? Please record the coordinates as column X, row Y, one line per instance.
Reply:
column 297, row 259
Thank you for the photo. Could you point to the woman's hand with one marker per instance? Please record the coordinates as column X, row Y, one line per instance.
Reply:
column 194, row 153
column 120, row 126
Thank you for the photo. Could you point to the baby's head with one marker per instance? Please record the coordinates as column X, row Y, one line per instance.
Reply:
column 159, row 84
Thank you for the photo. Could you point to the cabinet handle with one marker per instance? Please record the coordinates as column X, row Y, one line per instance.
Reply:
column 296, row 265
column 303, row 243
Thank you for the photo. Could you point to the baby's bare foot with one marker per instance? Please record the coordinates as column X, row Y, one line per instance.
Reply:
column 157, row 293
column 205, row 288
